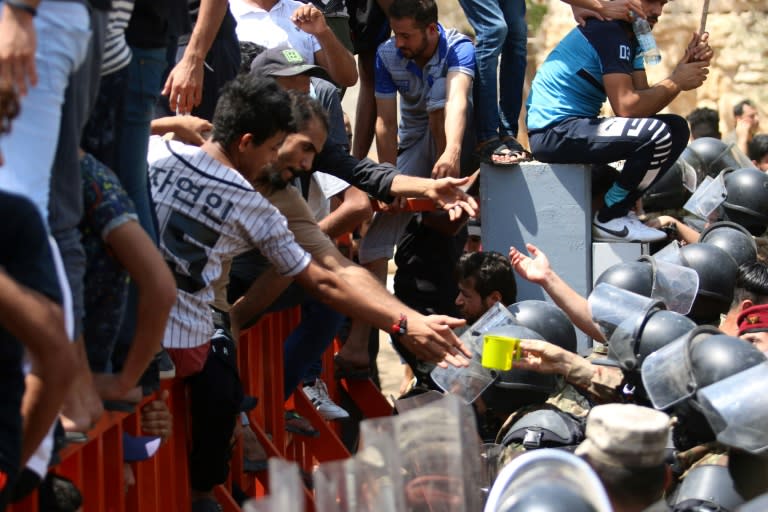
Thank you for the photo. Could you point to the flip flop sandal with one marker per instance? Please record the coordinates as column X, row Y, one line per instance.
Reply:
column 494, row 148
column 298, row 424
column 515, row 147
column 343, row 369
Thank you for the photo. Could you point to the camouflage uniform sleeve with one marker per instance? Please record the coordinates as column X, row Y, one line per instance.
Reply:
column 600, row 382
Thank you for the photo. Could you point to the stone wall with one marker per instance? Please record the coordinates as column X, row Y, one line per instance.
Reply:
column 738, row 33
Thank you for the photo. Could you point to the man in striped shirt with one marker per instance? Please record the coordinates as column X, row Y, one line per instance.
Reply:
column 208, row 212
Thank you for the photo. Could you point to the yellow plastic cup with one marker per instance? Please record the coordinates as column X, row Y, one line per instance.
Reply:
column 500, row 351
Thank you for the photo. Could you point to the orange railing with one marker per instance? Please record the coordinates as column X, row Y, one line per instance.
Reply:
column 162, row 482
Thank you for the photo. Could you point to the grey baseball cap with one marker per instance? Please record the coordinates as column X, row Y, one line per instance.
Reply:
column 285, row 61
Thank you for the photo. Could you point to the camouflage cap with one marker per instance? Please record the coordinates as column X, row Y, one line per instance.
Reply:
column 626, row 435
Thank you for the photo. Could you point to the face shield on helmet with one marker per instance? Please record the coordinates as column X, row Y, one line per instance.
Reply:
column 673, row 284
column 647, row 332
column 547, row 479
column 673, row 189
column 470, row 382
column 707, row 199
column 709, row 156
column 737, row 409
column 675, row 372
column 611, row 307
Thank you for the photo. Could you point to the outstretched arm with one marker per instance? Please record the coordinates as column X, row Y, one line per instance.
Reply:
column 537, row 270
column 430, row 338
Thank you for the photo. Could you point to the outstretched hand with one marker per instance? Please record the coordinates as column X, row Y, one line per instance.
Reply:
column 536, row 269
column 431, row 338
column 543, row 357
column 448, row 195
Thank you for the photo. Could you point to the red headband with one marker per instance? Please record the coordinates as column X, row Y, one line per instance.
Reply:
column 753, row 319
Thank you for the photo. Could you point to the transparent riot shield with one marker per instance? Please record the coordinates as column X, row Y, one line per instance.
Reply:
column 286, row 490
column 470, row 382
column 437, row 453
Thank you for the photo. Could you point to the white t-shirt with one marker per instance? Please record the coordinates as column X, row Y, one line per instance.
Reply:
column 208, row 213
column 274, row 27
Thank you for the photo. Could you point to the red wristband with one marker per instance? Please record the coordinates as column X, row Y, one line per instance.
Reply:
column 400, row 328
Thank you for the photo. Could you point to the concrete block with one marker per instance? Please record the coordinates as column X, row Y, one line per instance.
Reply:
column 608, row 254
column 548, row 205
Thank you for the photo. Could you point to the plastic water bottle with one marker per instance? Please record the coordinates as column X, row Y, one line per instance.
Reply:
column 642, row 29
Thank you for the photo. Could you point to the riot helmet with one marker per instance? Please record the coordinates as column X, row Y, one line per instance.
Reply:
column 733, row 239
column 746, row 202
column 668, row 282
column 632, row 342
column 633, row 276
column 673, row 189
column 547, row 480
column 707, row 488
column 674, row 373
column 709, row 156
column 717, row 272
column 548, row 427
column 546, row 319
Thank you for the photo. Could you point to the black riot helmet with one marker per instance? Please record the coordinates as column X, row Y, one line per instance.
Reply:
column 707, row 488
column 631, row 344
column 709, row 156
column 733, row 239
column 673, row 375
column 546, row 319
column 669, row 192
column 717, row 272
column 633, row 276
column 746, row 202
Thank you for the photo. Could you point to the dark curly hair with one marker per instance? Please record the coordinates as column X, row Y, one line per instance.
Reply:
column 255, row 105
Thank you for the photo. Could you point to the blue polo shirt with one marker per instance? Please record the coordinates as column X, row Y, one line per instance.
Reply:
column 421, row 90
column 570, row 82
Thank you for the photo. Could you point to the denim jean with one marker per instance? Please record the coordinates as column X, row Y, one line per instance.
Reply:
column 501, row 29
column 307, row 342
column 64, row 32
column 145, row 73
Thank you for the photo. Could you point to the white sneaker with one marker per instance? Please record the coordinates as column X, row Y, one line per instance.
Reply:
column 318, row 395
column 625, row 229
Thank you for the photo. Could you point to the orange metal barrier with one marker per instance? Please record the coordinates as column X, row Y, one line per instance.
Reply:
column 162, row 482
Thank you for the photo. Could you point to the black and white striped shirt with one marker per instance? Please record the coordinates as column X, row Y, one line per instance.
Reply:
column 207, row 213
column 117, row 54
